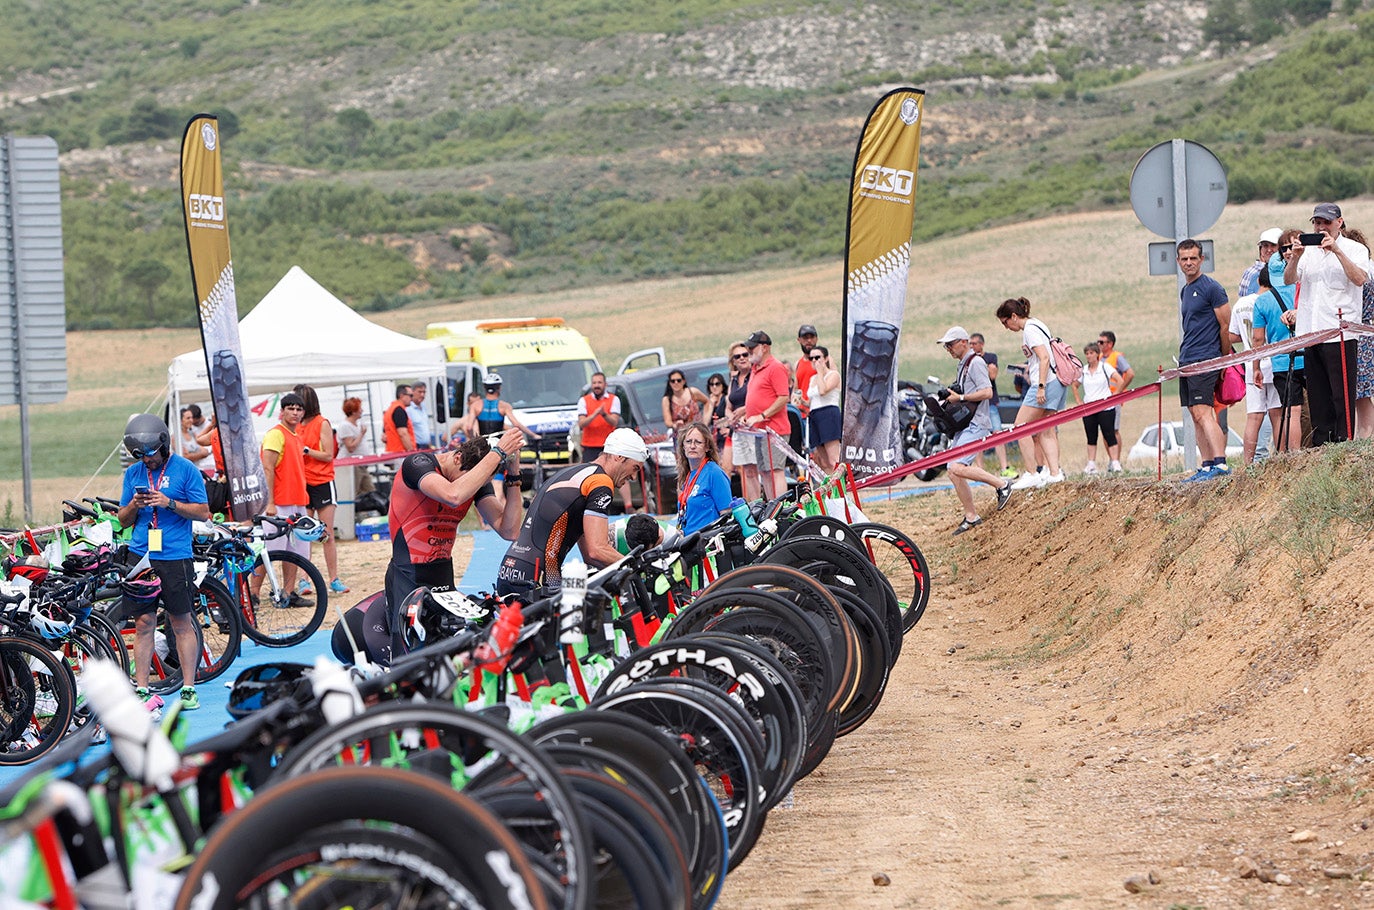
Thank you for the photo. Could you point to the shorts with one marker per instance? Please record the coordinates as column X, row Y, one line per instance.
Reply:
column 1198, row 390
column 1054, row 396
column 754, row 447
column 1260, row 399
column 825, row 425
column 177, row 578
column 970, row 433
column 289, row 541
column 321, row 495
column 1289, row 388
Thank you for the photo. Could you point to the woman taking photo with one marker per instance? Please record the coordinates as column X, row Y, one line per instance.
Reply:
column 703, row 488
column 1044, row 395
column 824, row 395
column 681, row 403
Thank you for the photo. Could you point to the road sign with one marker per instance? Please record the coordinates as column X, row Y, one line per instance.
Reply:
column 1164, row 261
column 1173, row 172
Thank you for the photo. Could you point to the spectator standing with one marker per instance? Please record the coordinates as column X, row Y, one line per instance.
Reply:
column 1106, row 342
column 598, row 414
column 319, row 449
column 191, row 449
column 1268, row 246
column 760, row 457
column 353, row 441
column 1097, row 381
column 716, row 402
column 1260, row 395
column 736, row 389
column 1045, row 393
column 396, row 429
column 976, row 387
column 283, row 464
column 1267, row 327
column 978, row 343
column 801, row 394
column 1364, row 359
column 1206, row 317
column 681, row 402
column 825, row 418
column 1332, row 278
column 419, row 419
column 162, row 494
column 703, row 492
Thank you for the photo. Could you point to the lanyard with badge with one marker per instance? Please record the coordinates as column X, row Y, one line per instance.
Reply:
column 686, row 492
column 154, row 532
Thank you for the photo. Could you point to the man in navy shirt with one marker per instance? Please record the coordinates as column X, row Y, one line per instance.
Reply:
column 1206, row 317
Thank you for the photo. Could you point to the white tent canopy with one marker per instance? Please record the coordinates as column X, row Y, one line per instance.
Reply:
column 300, row 332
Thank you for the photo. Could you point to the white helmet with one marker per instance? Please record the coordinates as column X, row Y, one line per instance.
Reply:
column 492, row 378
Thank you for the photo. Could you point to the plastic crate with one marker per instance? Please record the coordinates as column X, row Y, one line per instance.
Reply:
column 372, row 530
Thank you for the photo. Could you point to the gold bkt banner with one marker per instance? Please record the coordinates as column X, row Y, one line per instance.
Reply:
column 212, row 274
column 882, row 199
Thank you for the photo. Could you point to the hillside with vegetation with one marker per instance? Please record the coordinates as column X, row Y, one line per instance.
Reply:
column 461, row 149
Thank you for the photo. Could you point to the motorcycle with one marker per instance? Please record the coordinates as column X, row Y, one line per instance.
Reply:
column 920, row 435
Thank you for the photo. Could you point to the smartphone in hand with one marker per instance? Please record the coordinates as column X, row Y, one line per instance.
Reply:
column 1311, row 239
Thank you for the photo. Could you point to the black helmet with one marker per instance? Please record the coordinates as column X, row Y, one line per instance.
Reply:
column 146, row 434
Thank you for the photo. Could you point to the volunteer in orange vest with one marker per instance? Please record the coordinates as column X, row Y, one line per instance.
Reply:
column 283, row 463
column 597, row 414
column 396, row 431
column 317, row 435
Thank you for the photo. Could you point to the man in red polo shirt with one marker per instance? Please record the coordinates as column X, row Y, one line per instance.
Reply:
column 761, row 458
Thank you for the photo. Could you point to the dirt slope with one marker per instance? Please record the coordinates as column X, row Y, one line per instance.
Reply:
column 1113, row 679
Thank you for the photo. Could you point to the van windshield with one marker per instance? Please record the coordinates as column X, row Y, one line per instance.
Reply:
column 544, row 385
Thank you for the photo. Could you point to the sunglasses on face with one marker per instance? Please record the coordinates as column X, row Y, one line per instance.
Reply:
column 676, row 380
column 818, row 358
column 742, row 355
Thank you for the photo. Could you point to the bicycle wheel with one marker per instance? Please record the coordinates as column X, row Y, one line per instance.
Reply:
column 902, row 564
column 101, row 625
column 469, row 752
column 219, row 633
column 273, row 621
column 39, row 700
column 876, row 663
column 361, row 837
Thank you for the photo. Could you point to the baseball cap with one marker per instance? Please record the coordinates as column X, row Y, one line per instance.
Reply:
column 1328, row 211
column 955, row 333
column 807, row 329
column 757, row 339
column 627, row 443
column 291, row 398
column 1271, row 236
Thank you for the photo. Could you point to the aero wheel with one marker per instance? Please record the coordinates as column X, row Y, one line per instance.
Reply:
column 904, row 566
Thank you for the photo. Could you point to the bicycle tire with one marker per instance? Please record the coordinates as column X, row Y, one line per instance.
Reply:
column 903, row 564
column 449, row 742
column 102, row 626
column 39, row 700
column 873, row 645
column 291, row 827
column 272, row 621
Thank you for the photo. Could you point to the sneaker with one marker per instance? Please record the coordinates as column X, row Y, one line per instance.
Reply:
column 1114, row 468
column 295, row 600
column 1029, row 481
column 1009, row 473
column 338, row 587
column 303, row 588
column 1055, row 478
column 1003, row 494
column 967, row 525
column 1090, row 468
column 150, row 701
column 1203, row 473
column 1221, row 470
column 190, row 701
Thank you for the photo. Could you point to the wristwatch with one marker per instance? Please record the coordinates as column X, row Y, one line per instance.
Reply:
column 1039, row 385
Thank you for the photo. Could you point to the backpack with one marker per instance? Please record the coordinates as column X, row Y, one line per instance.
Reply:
column 1068, row 369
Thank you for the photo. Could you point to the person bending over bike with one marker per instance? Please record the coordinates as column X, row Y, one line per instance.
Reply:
column 572, row 508
column 434, row 492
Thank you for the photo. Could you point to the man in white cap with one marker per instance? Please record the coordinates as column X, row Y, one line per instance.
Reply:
column 971, row 386
column 1332, row 274
column 572, row 507
column 1268, row 246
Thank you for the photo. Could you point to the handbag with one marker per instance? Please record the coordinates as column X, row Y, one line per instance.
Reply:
column 1231, row 386
column 217, row 495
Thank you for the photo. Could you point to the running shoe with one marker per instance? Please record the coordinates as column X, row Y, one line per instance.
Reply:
column 1029, row 481
column 1114, row 468
column 1221, row 470
column 190, row 701
column 1090, row 468
column 295, row 600
column 1055, row 478
column 303, row 588
column 1203, row 473
column 967, row 525
column 1009, row 473
column 150, row 701
column 338, row 587
column 1003, row 495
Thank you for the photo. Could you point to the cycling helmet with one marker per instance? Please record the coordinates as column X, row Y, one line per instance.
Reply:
column 263, row 684
column 424, row 619
column 146, row 434
column 492, row 380
column 19, row 567
column 145, row 587
column 307, row 528
column 49, row 628
column 87, row 561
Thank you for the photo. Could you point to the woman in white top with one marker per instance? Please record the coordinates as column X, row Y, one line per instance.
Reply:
column 1098, row 381
column 824, row 395
column 191, row 450
column 352, row 433
column 1044, row 394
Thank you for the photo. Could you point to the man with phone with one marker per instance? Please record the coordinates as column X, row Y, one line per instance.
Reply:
column 1331, row 270
column 163, row 493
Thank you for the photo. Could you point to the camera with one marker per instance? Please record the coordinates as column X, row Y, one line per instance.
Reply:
column 952, row 389
column 1311, row 239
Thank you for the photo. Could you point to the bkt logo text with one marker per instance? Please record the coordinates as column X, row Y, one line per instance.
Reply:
column 205, row 208
column 887, row 180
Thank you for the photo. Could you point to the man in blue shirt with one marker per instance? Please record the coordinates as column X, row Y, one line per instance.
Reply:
column 1206, row 318
column 163, row 493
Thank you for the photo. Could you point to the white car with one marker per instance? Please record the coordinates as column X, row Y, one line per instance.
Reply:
column 1147, row 448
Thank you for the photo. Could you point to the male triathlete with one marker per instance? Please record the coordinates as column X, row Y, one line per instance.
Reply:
column 572, row 508
column 433, row 493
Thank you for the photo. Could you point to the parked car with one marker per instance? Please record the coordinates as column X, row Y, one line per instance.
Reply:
column 1147, row 448
column 641, row 409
